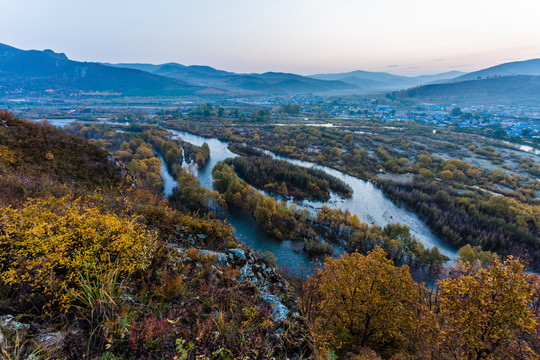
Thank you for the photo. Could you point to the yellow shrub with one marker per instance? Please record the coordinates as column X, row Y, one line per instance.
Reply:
column 7, row 156
column 46, row 245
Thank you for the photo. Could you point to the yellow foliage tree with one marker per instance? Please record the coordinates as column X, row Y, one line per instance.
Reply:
column 360, row 301
column 489, row 314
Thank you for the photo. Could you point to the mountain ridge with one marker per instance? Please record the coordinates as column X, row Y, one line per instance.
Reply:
column 525, row 67
column 49, row 73
column 33, row 71
column 517, row 89
column 268, row 82
column 384, row 80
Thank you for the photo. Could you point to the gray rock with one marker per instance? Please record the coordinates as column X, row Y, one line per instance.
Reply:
column 246, row 273
column 221, row 258
column 238, row 254
column 52, row 340
column 279, row 311
column 8, row 322
column 177, row 247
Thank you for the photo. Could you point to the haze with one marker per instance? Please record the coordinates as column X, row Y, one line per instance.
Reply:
column 302, row 36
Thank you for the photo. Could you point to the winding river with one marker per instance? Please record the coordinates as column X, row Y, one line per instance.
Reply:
column 368, row 202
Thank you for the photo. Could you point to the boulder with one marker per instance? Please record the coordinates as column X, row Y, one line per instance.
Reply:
column 279, row 311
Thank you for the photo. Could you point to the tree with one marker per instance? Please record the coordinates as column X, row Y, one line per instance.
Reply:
column 446, row 175
column 456, row 112
column 489, row 313
column 470, row 255
column 364, row 301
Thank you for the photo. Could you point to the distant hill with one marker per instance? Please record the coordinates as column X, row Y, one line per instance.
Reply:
column 137, row 66
column 519, row 89
column 39, row 72
column 267, row 83
column 46, row 72
column 527, row 67
column 384, row 81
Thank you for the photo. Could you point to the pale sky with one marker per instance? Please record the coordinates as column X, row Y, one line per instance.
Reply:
column 303, row 36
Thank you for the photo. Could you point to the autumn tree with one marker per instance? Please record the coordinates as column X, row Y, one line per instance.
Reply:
column 489, row 314
column 360, row 301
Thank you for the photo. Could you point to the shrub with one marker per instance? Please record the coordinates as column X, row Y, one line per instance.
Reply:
column 314, row 247
column 48, row 243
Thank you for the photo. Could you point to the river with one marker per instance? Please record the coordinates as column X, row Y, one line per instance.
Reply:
column 368, row 202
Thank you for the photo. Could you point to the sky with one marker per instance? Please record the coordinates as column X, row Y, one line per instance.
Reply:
column 407, row 37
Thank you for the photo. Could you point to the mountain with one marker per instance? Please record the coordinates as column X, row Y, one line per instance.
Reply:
column 46, row 72
column 195, row 74
column 292, row 82
column 426, row 79
column 384, row 81
column 39, row 72
column 527, row 67
column 519, row 89
column 267, row 83
column 137, row 66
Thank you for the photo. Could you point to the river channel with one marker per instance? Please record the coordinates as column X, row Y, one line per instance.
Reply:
column 368, row 202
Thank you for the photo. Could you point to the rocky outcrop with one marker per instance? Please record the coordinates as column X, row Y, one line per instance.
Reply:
column 272, row 287
column 123, row 172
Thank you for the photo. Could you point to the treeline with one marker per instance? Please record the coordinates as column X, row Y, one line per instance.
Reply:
column 197, row 154
column 274, row 218
column 340, row 226
column 329, row 226
column 143, row 162
column 459, row 201
column 136, row 150
column 285, row 179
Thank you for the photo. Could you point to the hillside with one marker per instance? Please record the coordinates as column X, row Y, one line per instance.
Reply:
column 266, row 83
column 510, row 90
column 384, row 81
column 47, row 72
column 91, row 266
column 527, row 67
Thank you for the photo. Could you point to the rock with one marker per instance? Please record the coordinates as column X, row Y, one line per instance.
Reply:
column 177, row 247
column 246, row 273
column 51, row 340
column 8, row 322
column 279, row 311
column 238, row 255
column 221, row 258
